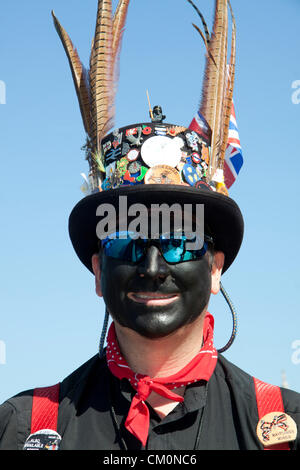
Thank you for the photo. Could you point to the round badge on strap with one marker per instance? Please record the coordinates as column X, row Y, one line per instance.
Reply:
column 45, row 439
column 276, row 428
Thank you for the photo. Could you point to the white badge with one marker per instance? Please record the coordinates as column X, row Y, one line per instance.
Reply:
column 45, row 439
column 162, row 150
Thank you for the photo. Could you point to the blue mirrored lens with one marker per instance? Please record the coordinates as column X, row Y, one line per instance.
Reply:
column 133, row 249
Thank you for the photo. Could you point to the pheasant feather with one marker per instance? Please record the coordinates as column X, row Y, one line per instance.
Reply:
column 101, row 75
column 229, row 91
column 119, row 25
column 79, row 75
column 96, row 88
column 215, row 81
column 207, row 34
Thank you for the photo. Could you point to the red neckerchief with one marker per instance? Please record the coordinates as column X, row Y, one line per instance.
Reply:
column 200, row 367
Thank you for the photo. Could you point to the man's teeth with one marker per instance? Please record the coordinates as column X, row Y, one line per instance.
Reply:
column 154, row 296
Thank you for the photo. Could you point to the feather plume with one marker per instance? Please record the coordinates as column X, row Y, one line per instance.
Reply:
column 229, row 91
column 118, row 30
column 101, row 75
column 205, row 43
column 119, row 25
column 215, row 82
column 79, row 75
column 96, row 88
column 207, row 34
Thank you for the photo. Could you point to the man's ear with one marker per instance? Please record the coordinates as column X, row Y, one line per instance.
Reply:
column 216, row 271
column 97, row 272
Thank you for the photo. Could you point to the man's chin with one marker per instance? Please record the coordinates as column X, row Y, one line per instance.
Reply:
column 155, row 324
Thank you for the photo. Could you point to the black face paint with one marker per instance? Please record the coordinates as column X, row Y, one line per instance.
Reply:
column 153, row 297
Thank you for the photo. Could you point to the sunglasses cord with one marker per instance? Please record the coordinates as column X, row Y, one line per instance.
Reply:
column 234, row 320
column 227, row 346
column 103, row 333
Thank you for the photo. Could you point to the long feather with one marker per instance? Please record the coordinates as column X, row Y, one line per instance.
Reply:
column 205, row 42
column 79, row 74
column 229, row 91
column 101, row 75
column 118, row 31
column 214, row 81
column 207, row 34
column 119, row 25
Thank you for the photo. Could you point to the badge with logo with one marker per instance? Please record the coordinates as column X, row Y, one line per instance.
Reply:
column 162, row 174
column 276, row 428
column 45, row 439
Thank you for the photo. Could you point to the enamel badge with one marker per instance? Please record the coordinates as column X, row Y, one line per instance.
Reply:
column 276, row 428
column 45, row 439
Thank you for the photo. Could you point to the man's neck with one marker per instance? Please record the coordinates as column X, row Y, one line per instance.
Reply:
column 160, row 357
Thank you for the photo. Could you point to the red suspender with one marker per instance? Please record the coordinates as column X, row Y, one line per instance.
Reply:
column 268, row 398
column 45, row 408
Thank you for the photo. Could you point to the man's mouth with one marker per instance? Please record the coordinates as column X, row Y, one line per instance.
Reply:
column 152, row 298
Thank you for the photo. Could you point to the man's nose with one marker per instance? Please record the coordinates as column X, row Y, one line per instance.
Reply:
column 153, row 266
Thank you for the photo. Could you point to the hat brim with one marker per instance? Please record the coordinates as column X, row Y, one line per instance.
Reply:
column 221, row 214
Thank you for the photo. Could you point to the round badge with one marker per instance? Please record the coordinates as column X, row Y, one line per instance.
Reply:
column 160, row 150
column 190, row 174
column 162, row 174
column 147, row 130
column 134, row 167
column 275, row 428
column 45, row 439
column 132, row 155
column 196, row 157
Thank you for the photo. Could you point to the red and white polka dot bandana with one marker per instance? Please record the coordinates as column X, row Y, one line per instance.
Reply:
column 200, row 367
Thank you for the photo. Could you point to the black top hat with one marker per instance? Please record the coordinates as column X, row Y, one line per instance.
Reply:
column 154, row 162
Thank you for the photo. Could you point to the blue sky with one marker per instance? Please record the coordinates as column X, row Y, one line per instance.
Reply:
column 50, row 317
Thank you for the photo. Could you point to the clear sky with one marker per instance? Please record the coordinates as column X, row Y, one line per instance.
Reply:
column 50, row 317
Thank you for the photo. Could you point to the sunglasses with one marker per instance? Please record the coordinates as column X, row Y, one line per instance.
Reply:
column 126, row 246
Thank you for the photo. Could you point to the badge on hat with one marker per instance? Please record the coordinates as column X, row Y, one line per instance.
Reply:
column 45, row 439
column 162, row 174
column 276, row 428
column 160, row 150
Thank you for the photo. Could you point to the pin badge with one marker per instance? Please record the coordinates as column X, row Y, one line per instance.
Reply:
column 276, row 428
column 202, row 185
column 135, row 173
column 162, row 174
column 130, row 136
column 45, row 439
column 161, row 150
column 175, row 130
column 147, row 130
column 117, row 138
column 132, row 155
column 190, row 173
column 193, row 140
column 196, row 157
column 122, row 165
column 205, row 154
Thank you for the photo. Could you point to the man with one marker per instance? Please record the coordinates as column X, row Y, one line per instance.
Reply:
column 160, row 384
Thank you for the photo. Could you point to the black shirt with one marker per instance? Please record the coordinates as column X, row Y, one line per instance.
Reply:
column 218, row 415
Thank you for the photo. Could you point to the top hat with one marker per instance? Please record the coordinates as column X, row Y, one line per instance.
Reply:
column 154, row 162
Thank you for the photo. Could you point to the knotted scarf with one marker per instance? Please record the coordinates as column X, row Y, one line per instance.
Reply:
column 200, row 367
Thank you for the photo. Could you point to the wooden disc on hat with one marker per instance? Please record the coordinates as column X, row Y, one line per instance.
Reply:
column 162, row 174
column 276, row 428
